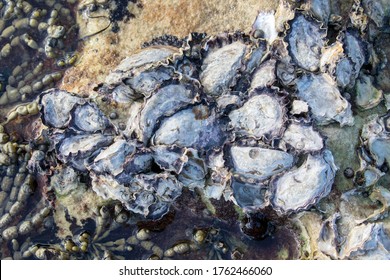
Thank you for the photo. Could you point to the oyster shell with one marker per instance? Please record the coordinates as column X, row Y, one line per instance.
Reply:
column 305, row 40
column 265, row 74
column 170, row 158
column 259, row 163
column 78, row 150
column 112, row 159
column 261, row 116
column 303, row 137
column 368, row 241
column 302, row 187
column 150, row 187
column 265, row 23
column 89, row 118
column 320, row 9
column 367, row 96
column 329, row 238
column 325, row 101
column 220, row 66
column 56, row 107
column 141, row 61
column 165, row 102
column 194, row 171
column 250, row 196
column 375, row 136
column 196, row 127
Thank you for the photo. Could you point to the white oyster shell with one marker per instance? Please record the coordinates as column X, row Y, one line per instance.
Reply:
column 265, row 74
column 305, row 40
column 259, row 163
column 324, row 99
column 368, row 241
column 303, row 137
column 299, row 107
column 220, row 67
column 265, row 21
column 262, row 115
column 302, row 187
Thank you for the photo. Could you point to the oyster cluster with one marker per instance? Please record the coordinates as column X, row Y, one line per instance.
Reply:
column 217, row 114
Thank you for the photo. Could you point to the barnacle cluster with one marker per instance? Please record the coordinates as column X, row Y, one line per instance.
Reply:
column 236, row 120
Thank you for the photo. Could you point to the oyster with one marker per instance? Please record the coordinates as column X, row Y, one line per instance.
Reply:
column 375, row 136
column 324, row 99
column 261, row 116
column 112, row 159
column 56, row 107
column 79, row 150
column 259, row 163
column 264, row 75
column 265, row 23
column 366, row 239
column 165, row 102
column 250, row 196
column 89, row 118
column 220, row 67
column 305, row 40
column 170, row 158
column 221, row 120
column 196, row 127
column 367, row 95
column 303, row 137
column 302, row 187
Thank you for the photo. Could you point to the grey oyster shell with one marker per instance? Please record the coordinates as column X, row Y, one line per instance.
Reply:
column 305, row 41
column 262, row 115
column 196, row 127
column 168, row 100
column 154, row 193
column 170, row 158
column 79, row 150
column 259, row 163
column 368, row 240
column 320, row 9
column 303, row 137
column 56, row 107
column 376, row 140
column 89, row 118
column 111, row 160
column 220, row 67
column 250, row 196
column 324, row 99
column 265, row 74
column 302, row 187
